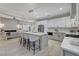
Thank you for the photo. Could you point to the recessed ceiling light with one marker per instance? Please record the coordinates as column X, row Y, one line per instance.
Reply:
column 61, row 9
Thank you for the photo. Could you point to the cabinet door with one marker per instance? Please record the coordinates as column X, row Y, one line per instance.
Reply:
column 77, row 15
column 67, row 53
column 67, row 22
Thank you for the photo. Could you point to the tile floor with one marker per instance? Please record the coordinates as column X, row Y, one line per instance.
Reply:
column 13, row 48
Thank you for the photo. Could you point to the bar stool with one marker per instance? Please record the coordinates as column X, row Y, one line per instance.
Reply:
column 34, row 43
column 26, row 41
column 21, row 38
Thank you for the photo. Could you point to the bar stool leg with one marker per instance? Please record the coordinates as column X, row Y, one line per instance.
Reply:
column 20, row 40
column 33, row 48
column 28, row 46
column 39, row 44
column 24, row 42
column 27, row 43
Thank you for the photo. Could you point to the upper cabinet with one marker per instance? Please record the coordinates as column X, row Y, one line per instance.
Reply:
column 69, row 21
column 74, row 14
column 77, row 14
column 60, row 22
column 73, row 10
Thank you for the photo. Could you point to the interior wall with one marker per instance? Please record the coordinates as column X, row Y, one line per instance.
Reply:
column 9, row 24
column 59, row 22
column 34, row 26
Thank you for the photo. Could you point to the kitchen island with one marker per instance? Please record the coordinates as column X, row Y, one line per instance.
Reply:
column 42, row 36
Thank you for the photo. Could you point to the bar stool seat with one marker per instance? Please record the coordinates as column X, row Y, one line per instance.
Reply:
column 26, row 40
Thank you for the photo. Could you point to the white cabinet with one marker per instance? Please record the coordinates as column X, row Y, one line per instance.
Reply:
column 73, row 22
column 77, row 14
column 25, row 27
column 60, row 22
column 67, row 22
column 57, row 36
column 68, row 53
column 75, row 17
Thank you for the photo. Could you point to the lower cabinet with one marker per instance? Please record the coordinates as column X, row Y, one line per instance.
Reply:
column 57, row 36
column 68, row 53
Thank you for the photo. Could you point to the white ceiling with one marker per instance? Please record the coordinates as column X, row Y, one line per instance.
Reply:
column 39, row 10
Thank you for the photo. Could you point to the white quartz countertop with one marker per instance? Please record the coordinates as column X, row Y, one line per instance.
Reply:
column 66, row 45
column 72, row 33
column 35, row 33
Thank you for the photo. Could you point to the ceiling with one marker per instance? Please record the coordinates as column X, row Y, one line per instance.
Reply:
column 33, row 11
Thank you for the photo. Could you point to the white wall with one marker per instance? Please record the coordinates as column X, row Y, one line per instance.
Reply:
column 59, row 22
column 40, row 23
column 9, row 24
column 25, row 27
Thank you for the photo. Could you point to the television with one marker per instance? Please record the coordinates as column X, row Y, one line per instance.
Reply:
column 10, row 30
column 50, row 33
